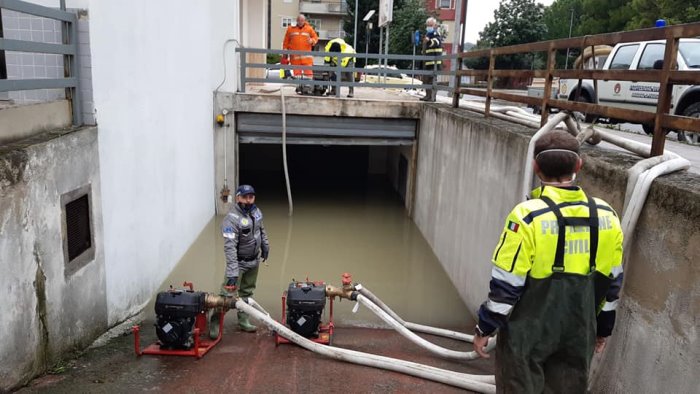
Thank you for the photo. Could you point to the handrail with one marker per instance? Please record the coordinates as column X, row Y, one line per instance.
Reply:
column 69, row 49
column 666, row 77
column 338, row 69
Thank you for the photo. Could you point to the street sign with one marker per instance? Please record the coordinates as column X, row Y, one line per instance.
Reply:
column 416, row 38
column 386, row 10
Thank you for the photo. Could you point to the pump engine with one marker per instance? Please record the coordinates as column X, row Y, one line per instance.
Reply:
column 305, row 304
column 176, row 314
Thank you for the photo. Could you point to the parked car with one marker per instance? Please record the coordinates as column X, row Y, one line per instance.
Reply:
column 374, row 77
column 643, row 55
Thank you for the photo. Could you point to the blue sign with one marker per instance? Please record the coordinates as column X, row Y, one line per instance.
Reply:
column 416, row 38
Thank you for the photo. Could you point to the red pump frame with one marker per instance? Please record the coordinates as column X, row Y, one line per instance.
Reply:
column 201, row 345
column 325, row 331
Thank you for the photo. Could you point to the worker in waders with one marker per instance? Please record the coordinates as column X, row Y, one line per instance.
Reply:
column 245, row 244
column 555, row 280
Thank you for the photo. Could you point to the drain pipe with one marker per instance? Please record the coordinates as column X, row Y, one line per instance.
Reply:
column 478, row 383
column 406, row 333
column 284, row 152
column 413, row 326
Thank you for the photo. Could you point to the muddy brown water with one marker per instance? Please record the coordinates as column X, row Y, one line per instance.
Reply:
column 369, row 236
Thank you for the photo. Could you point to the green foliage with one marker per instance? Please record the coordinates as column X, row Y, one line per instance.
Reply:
column 363, row 7
column 273, row 58
column 646, row 12
column 409, row 16
column 516, row 22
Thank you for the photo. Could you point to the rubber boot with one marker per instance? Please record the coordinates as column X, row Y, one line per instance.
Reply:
column 244, row 323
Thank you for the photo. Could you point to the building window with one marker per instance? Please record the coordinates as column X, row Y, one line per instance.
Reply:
column 78, row 234
column 444, row 4
column 315, row 23
column 286, row 22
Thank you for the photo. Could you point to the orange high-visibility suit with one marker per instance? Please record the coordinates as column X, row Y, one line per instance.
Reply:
column 301, row 39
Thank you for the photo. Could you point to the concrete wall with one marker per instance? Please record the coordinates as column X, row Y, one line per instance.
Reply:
column 468, row 179
column 155, row 65
column 23, row 121
column 50, row 306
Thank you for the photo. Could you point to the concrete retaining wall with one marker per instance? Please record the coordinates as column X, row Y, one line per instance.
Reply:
column 468, row 179
column 49, row 305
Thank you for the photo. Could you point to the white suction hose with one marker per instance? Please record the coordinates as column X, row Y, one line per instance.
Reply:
column 406, row 333
column 478, row 383
column 413, row 326
column 284, row 152
column 641, row 190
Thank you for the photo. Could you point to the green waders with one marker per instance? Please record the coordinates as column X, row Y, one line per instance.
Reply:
column 246, row 287
column 548, row 343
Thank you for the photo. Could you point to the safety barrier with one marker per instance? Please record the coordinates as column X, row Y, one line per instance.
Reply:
column 69, row 50
column 380, row 69
column 667, row 77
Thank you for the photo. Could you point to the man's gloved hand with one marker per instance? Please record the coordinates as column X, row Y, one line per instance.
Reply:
column 265, row 254
column 231, row 282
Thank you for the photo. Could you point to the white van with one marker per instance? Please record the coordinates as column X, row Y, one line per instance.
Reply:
column 646, row 55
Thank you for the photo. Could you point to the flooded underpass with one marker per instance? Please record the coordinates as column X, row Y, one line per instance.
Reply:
column 347, row 217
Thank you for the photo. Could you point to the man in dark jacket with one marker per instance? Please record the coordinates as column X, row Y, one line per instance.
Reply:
column 245, row 244
column 432, row 46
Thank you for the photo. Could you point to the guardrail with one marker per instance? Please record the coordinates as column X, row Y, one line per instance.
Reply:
column 380, row 72
column 666, row 77
column 69, row 50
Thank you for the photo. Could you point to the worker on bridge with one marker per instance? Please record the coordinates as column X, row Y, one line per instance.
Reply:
column 432, row 46
column 555, row 280
column 340, row 46
column 245, row 244
column 301, row 37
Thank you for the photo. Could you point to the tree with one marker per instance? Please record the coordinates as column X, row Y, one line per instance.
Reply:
column 646, row 12
column 604, row 16
column 363, row 7
column 408, row 16
column 515, row 22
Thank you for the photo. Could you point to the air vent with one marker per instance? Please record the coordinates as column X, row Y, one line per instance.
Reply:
column 78, row 226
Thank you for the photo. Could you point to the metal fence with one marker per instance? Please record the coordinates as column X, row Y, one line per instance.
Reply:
column 381, row 70
column 668, row 76
column 69, row 50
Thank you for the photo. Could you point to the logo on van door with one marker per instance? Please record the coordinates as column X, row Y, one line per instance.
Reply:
column 617, row 89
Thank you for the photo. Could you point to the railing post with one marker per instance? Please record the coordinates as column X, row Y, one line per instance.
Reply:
column 665, row 93
column 74, row 71
column 551, row 57
column 338, row 74
column 489, row 86
column 242, row 53
column 434, row 82
column 458, row 82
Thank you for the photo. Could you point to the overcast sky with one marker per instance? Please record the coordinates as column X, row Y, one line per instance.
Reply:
column 480, row 13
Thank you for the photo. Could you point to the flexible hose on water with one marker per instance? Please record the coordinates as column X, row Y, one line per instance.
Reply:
column 478, row 383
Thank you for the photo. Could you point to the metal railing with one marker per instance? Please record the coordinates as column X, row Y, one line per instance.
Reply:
column 69, row 50
column 662, row 119
column 379, row 70
column 666, row 77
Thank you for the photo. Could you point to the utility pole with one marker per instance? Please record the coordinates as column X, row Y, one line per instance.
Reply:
column 571, row 25
column 354, row 35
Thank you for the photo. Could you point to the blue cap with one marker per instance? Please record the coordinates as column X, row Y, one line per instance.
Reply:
column 244, row 189
column 660, row 23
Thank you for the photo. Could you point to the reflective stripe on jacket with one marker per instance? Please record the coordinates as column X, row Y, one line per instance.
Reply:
column 528, row 248
column 297, row 38
column 244, row 237
column 344, row 48
column 433, row 47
